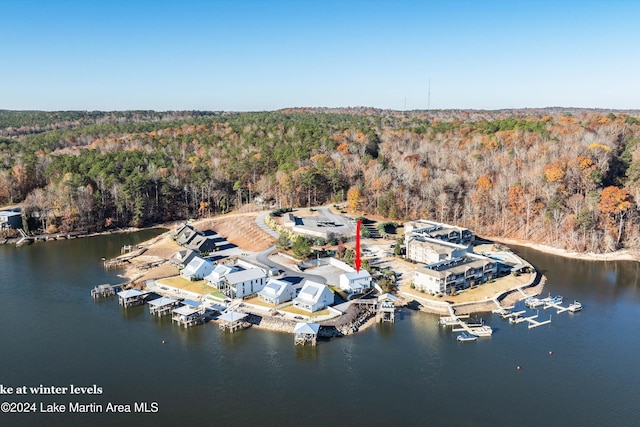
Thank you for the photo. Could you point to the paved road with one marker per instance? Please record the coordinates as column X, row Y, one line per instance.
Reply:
column 260, row 222
column 263, row 257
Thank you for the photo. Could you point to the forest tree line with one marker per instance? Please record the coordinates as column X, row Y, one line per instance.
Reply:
column 567, row 178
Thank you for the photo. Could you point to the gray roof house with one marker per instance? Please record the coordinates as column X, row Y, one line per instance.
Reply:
column 201, row 244
column 242, row 283
column 197, row 269
column 277, row 291
column 313, row 297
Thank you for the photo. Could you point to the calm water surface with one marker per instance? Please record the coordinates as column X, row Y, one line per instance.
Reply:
column 413, row 372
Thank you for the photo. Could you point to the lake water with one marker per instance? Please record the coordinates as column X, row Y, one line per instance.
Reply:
column 413, row 372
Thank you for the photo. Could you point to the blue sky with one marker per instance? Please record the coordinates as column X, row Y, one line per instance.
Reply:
column 250, row 55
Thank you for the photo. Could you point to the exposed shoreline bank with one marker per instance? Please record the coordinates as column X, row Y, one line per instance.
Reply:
column 620, row 255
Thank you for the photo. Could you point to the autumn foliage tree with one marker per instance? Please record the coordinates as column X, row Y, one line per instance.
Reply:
column 614, row 205
column 353, row 199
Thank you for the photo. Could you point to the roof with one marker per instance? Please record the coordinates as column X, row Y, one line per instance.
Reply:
column 192, row 303
column 162, row 302
column 196, row 264
column 10, row 213
column 245, row 275
column 306, row 328
column 311, row 292
column 186, row 310
column 233, row 316
column 220, row 271
column 186, row 235
column 184, row 255
column 274, row 288
column 455, row 266
column 180, row 228
column 199, row 242
column 355, row 275
column 436, row 245
column 387, row 296
column 130, row 293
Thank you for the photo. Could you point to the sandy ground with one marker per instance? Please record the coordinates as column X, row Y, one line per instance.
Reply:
column 239, row 229
column 622, row 255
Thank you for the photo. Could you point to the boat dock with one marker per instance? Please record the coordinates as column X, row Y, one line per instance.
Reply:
column 572, row 308
column 306, row 333
column 191, row 313
column 132, row 297
column 514, row 314
column 233, row 321
column 459, row 325
column 162, row 306
column 105, row 290
column 533, row 323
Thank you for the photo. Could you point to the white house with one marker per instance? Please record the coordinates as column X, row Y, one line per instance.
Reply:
column 219, row 273
column 455, row 274
column 313, row 297
column 356, row 281
column 197, row 269
column 427, row 250
column 276, row 292
column 244, row 282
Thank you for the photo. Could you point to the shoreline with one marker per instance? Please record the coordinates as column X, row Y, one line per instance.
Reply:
column 619, row 255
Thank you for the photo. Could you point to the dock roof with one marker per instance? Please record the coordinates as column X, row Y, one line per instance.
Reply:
column 233, row 316
column 186, row 310
column 130, row 293
column 387, row 296
column 160, row 302
column 306, row 328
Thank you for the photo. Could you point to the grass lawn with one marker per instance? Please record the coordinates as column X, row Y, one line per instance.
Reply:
column 257, row 301
column 217, row 294
column 198, row 287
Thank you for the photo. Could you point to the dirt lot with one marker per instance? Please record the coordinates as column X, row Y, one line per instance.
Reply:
column 240, row 230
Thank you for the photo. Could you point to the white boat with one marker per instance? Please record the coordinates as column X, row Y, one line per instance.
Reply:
column 576, row 306
column 482, row 331
column 556, row 300
column 463, row 337
column 533, row 302
column 501, row 311
column 449, row 321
